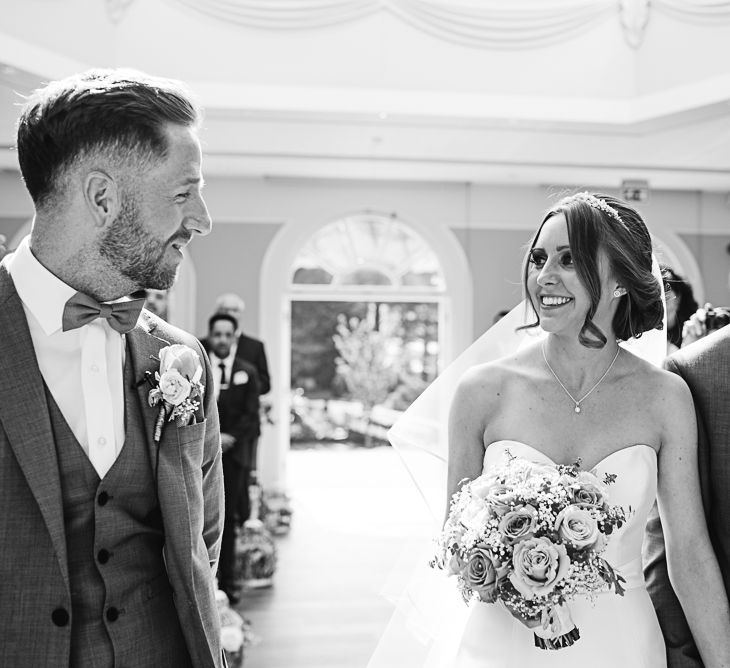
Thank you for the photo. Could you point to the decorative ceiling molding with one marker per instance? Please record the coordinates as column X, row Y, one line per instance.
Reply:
column 519, row 24
column 117, row 9
column 634, row 16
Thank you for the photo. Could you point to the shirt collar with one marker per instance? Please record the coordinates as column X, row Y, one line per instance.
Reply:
column 44, row 294
column 215, row 360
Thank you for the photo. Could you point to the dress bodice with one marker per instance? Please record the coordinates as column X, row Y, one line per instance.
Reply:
column 634, row 489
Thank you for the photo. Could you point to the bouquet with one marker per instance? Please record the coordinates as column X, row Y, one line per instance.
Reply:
column 532, row 536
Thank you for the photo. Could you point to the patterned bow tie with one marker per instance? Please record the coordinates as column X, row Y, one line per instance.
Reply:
column 82, row 309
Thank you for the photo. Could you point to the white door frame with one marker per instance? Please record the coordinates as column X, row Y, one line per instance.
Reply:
column 455, row 330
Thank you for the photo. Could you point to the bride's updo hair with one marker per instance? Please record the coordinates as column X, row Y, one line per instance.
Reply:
column 595, row 222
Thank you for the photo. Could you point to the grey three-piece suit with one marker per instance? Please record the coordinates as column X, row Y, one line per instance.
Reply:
column 111, row 572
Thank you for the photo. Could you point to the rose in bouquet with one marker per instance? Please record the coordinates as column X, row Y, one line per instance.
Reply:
column 532, row 536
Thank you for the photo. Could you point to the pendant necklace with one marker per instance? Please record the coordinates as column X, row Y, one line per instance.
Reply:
column 578, row 402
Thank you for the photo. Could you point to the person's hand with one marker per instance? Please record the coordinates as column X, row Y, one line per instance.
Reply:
column 227, row 442
column 695, row 328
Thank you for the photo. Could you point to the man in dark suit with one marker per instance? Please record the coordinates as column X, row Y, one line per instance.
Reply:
column 237, row 389
column 245, row 347
column 112, row 517
column 705, row 366
column 251, row 350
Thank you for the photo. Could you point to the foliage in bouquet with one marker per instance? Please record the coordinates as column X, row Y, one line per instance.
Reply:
column 531, row 535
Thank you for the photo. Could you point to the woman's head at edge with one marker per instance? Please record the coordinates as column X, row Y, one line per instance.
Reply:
column 627, row 245
column 680, row 292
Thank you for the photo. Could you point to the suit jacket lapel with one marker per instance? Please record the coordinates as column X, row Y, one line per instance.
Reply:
column 143, row 349
column 143, row 354
column 24, row 414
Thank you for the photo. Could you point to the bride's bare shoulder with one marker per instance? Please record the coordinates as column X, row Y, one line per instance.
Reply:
column 488, row 379
column 657, row 387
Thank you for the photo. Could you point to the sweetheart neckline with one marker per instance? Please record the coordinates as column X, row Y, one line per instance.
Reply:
column 552, row 461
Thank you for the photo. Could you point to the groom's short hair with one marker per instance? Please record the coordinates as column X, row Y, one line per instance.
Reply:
column 117, row 115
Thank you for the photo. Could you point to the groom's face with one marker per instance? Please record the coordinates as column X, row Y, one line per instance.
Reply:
column 161, row 209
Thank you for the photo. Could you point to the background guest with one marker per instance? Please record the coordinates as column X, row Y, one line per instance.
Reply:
column 245, row 347
column 704, row 320
column 156, row 302
column 681, row 304
column 251, row 350
column 237, row 391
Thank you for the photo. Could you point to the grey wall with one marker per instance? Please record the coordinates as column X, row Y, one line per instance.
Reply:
column 229, row 260
column 495, row 258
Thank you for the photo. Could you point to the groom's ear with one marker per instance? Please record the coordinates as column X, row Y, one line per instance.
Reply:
column 101, row 195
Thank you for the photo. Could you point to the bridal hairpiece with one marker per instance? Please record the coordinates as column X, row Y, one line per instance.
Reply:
column 596, row 203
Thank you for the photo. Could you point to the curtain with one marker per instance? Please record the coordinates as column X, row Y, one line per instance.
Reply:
column 489, row 24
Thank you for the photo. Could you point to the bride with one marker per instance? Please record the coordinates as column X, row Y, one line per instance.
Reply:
column 577, row 395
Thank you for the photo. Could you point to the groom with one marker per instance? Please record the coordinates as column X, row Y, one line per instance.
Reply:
column 110, row 528
column 705, row 366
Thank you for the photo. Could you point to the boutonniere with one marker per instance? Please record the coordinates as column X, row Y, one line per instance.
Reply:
column 240, row 378
column 176, row 386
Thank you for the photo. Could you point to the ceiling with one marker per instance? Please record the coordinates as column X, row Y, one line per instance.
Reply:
column 632, row 91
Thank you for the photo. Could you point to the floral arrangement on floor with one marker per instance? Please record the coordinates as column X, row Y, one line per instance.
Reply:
column 236, row 632
column 532, row 535
column 276, row 510
column 255, row 551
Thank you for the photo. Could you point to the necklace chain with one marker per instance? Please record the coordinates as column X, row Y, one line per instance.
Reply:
column 578, row 402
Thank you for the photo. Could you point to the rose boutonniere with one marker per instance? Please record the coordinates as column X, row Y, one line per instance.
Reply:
column 176, row 387
column 240, row 378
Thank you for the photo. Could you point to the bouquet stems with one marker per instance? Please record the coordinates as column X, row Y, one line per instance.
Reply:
column 557, row 629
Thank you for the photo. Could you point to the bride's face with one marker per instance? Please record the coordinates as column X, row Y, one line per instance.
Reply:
column 556, row 291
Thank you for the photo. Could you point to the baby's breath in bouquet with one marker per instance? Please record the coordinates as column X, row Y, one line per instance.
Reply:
column 532, row 536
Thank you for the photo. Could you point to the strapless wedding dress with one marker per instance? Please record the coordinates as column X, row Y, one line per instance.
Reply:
column 615, row 631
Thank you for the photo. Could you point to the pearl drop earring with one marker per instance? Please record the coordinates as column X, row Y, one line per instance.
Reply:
column 618, row 292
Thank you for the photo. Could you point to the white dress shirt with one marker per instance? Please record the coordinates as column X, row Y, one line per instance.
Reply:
column 83, row 368
column 215, row 362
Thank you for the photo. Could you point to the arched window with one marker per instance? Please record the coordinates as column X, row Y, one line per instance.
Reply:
column 371, row 282
column 368, row 250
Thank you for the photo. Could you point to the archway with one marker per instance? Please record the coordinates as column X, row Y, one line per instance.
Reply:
column 278, row 290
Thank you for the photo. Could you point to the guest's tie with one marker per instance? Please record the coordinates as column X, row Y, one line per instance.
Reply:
column 82, row 309
column 222, row 367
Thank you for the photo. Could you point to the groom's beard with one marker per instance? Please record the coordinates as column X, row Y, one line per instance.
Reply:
column 135, row 253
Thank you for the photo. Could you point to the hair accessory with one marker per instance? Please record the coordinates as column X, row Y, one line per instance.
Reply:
column 578, row 402
column 596, row 203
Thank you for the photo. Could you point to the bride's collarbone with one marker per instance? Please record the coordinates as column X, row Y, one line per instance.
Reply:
column 551, row 424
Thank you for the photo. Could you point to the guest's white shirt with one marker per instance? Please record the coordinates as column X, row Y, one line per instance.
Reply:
column 83, row 368
column 215, row 362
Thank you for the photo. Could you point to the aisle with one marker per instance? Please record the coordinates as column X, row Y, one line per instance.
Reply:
column 325, row 610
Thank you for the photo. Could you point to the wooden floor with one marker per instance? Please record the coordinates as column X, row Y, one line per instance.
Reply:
column 325, row 609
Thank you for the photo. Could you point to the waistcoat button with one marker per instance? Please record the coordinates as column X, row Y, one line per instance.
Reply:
column 103, row 498
column 103, row 556
column 112, row 614
column 60, row 617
